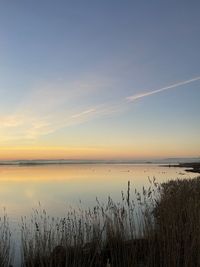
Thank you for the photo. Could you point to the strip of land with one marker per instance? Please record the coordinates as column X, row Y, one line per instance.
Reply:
column 191, row 167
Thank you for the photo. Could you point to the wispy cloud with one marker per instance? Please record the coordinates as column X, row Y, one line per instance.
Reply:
column 10, row 121
column 32, row 126
column 49, row 107
column 38, row 118
column 83, row 113
column 145, row 94
column 48, row 97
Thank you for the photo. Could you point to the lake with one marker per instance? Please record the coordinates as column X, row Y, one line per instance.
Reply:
column 57, row 187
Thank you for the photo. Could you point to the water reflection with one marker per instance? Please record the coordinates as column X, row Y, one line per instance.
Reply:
column 59, row 186
column 56, row 186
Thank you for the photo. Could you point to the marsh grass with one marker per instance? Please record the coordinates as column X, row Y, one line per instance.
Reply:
column 177, row 229
column 5, row 241
column 108, row 233
column 158, row 227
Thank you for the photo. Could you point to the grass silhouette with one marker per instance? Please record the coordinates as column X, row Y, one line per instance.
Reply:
column 5, row 241
column 158, row 227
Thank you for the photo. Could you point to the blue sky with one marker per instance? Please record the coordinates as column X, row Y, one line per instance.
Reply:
column 68, row 70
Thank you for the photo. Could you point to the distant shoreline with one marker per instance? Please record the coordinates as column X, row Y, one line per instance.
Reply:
column 193, row 166
column 64, row 162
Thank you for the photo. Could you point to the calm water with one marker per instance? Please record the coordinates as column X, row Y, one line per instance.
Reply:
column 57, row 187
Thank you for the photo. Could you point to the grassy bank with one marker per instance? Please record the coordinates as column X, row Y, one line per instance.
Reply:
column 158, row 227
column 105, row 234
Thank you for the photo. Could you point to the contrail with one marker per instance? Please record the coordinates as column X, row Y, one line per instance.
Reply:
column 138, row 96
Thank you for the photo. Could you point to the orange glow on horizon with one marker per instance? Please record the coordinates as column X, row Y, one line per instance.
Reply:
column 89, row 153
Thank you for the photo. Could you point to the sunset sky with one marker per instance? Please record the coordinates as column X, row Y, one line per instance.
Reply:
column 99, row 79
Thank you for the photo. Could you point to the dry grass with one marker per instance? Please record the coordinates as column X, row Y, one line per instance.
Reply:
column 5, row 248
column 158, row 227
column 177, row 215
column 93, row 237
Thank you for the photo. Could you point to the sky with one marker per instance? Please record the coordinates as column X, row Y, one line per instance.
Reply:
column 99, row 79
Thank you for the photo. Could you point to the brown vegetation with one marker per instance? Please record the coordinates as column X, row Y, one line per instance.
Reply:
column 159, row 227
column 5, row 248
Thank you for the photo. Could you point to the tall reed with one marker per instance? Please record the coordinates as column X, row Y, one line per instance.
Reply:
column 5, row 241
column 177, row 228
column 111, row 232
column 158, row 227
